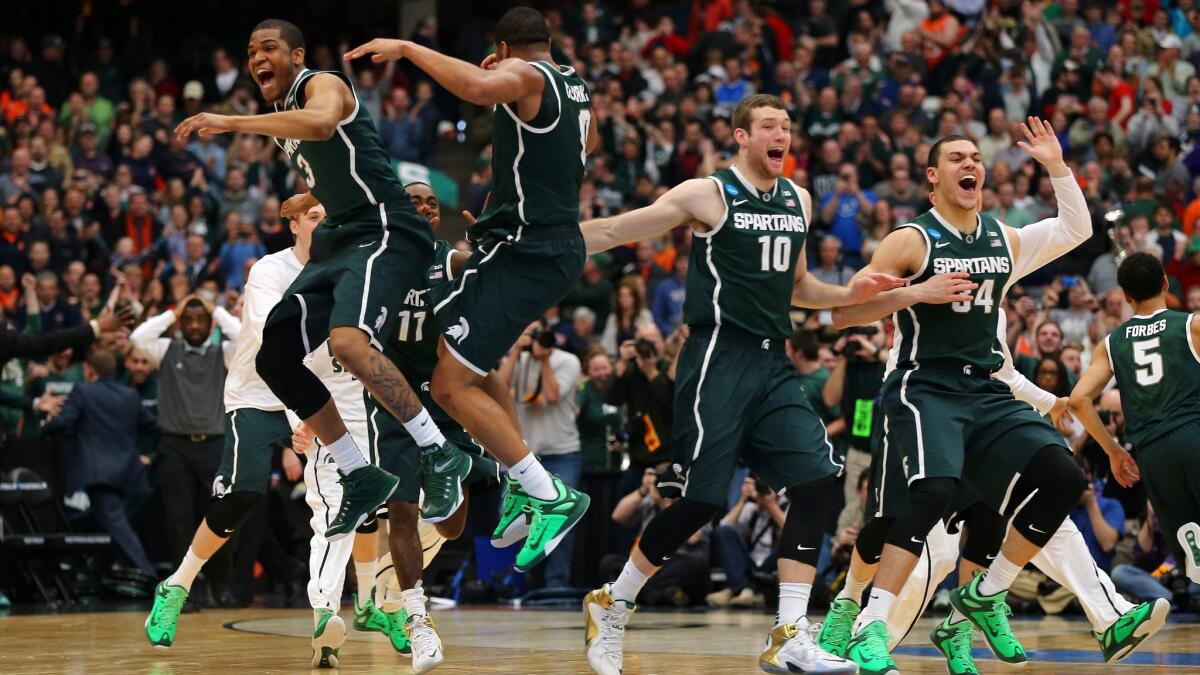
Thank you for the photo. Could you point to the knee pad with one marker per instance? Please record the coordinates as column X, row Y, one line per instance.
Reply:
column 928, row 500
column 280, row 363
column 228, row 513
column 674, row 526
column 871, row 539
column 985, row 534
column 805, row 523
column 1049, row 489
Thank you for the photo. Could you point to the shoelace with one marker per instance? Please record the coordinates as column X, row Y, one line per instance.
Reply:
column 424, row 639
column 961, row 642
column 173, row 602
column 838, row 621
column 875, row 646
column 997, row 620
column 612, row 633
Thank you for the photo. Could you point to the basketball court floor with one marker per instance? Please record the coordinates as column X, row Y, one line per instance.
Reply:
column 505, row 640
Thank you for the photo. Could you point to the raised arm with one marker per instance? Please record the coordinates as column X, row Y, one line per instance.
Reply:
column 1049, row 239
column 1086, row 390
column 696, row 200
column 147, row 339
column 510, row 80
column 327, row 99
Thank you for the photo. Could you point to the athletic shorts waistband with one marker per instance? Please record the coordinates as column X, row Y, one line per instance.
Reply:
column 737, row 335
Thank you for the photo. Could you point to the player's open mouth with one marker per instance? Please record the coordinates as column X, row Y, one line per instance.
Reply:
column 968, row 183
column 775, row 154
column 265, row 78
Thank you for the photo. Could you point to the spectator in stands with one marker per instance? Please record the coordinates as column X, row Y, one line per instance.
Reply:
column 1100, row 520
column 579, row 335
column 544, row 380
column 401, row 128
column 104, row 418
column 1081, row 304
column 840, row 209
column 629, row 314
column 829, row 257
column 667, row 307
column 744, row 542
column 601, row 448
column 644, row 385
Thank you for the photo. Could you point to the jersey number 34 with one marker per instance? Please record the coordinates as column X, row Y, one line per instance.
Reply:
column 983, row 298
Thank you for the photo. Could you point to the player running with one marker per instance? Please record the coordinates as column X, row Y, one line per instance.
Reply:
column 1119, row 626
column 372, row 248
column 737, row 395
column 530, row 253
column 939, row 398
column 1155, row 357
column 255, row 423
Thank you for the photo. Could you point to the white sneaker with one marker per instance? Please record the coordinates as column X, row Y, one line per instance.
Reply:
column 605, row 618
column 791, row 648
column 427, row 651
column 328, row 637
column 1189, row 539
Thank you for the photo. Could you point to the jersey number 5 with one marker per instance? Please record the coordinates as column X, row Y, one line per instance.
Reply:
column 983, row 298
column 1144, row 355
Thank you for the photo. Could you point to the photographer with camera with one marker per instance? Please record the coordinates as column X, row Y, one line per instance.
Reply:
column 857, row 377
column 645, row 386
column 744, row 542
column 544, row 380
column 1133, row 499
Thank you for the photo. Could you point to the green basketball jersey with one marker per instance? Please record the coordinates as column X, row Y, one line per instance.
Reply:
column 414, row 346
column 741, row 273
column 960, row 335
column 349, row 171
column 1157, row 372
column 537, row 166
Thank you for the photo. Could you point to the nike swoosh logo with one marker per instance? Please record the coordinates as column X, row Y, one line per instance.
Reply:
column 228, row 531
column 739, row 202
column 1037, row 530
column 369, row 243
column 941, row 244
column 805, row 548
column 915, row 540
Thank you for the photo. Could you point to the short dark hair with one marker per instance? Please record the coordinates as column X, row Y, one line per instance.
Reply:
column 194, row 303
column 742, row 113
column 936, row 151
column 288, row 31
column 522, row 26
column 806, row 342
column 103, row 362
column 1141, row 276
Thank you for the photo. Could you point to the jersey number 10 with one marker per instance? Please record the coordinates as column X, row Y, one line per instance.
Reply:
column 776, row 253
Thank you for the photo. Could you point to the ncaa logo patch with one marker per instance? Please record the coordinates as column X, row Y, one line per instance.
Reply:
column 731, row 189
column 934, row 233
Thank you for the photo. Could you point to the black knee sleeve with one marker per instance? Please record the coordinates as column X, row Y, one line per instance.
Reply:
column 280, row 363
column 1048, row 489
column 985, row 534
column 928, row 500
column 871, row 538
column 805, row 522
column 674, row 526
column 228, row 513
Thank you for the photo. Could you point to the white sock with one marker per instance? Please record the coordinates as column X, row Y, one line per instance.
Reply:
column 999, row 576
column 346, row 453
column 629, row 583
column 533, row 478
column 414, row 600
column 793, row 602
column 365, row 572
column 424, row 430
column 853, row 589
column 186, row 573
column 877, row 609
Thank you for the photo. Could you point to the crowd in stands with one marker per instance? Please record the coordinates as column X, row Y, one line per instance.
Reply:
column 103, row 205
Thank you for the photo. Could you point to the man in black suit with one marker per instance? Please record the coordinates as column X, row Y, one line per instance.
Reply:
column 105, row 417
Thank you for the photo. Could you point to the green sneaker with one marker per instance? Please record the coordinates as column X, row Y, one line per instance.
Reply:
column 515, row 517
column 552, row 520
column 369, row 617
column 396, row 632
column 160, row 625
column 327, row 639
column 838, row 626
column 363, row 490
column 444, row 468
column 868, row 648
column 1132, row 629
column 990, row 615
column 953, row 640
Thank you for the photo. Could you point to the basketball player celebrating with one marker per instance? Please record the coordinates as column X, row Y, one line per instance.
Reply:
column 1119, row 626
column 939, row 398
column 255, row 424
column 372, row 248
column 1155, row 357
column 529, row 253
column 737, row 396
